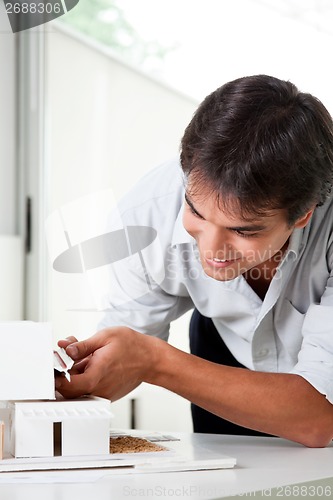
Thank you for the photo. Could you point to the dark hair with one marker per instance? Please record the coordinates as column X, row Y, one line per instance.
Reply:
column 260, row 141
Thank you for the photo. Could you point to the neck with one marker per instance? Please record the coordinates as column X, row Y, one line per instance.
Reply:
column 260, row 276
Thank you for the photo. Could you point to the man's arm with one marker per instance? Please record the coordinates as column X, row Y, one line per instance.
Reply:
column 275, row 403
column 285, row 405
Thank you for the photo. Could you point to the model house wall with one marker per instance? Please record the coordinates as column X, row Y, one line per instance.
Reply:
column 26, row 364
column 60, row 428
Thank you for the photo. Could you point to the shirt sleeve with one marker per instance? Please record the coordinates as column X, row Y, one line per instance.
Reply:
column 315, row 359
column 136, row 300
column 135, row 296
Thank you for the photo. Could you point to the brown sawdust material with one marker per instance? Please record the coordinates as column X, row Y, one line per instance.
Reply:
column 130, row 444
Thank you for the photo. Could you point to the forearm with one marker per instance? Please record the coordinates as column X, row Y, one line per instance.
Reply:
column 285, row 405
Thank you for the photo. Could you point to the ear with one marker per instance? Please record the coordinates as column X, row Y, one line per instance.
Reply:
column 302, row 221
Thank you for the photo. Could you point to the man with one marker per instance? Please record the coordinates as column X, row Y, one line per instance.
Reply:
column 245, row 227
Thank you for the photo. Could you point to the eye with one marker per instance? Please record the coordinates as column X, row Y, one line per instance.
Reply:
column 245, row 234
column 193, row 211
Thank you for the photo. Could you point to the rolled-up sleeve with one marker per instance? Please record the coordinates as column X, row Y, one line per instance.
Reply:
column 151, row 313
column 315, row 359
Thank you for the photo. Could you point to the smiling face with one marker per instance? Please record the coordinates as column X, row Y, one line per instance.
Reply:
column 229, row 245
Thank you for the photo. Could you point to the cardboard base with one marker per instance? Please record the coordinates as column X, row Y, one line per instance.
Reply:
column 162, row 461
column 65, row 463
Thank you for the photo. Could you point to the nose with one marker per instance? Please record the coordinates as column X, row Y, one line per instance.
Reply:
column 216, row 244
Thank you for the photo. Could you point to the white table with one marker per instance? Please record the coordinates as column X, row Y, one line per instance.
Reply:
column 262, row 464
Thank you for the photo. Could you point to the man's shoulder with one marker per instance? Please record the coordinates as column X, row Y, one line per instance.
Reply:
column 319, row 232
column 324, row 213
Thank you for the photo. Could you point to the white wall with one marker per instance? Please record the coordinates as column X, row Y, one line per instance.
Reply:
column 109, row 123
column 7, row 134
column 11, row 245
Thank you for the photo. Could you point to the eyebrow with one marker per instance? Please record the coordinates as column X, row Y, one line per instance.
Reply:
column 249, row 228
column 188, row 201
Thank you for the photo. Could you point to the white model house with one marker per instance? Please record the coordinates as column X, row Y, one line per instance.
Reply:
column 39, row 424
column 66, row 428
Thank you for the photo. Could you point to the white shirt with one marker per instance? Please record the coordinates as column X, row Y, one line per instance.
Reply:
column 291, row 331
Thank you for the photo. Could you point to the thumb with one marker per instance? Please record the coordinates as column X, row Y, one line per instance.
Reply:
column 83, row 348
column 65, row 342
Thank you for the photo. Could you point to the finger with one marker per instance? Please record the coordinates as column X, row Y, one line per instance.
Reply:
column 79, row 350
column 67, row 341
column 67, row 389
column 88, row 382
column 80, row 385
column 79, row 366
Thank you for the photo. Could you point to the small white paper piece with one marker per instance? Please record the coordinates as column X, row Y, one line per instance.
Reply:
column 63, row 362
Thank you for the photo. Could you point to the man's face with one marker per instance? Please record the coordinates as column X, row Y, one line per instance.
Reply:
column 229, row 245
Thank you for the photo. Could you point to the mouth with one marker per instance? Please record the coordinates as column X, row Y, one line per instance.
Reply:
column 220, row 263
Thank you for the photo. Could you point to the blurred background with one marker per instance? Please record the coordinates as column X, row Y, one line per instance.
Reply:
column 93, row 100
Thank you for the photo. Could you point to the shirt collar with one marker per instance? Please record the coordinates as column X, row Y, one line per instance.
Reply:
column 295, row 244
column 180, row 235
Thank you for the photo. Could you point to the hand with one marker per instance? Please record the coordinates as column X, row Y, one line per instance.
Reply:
column 109, row 364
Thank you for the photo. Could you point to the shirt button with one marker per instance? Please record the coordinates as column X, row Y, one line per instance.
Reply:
column 262, row 353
